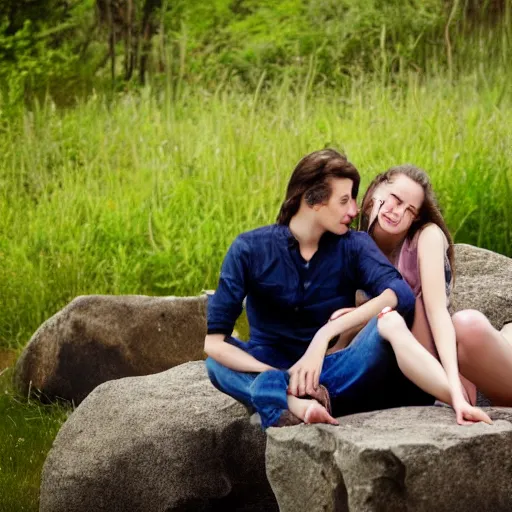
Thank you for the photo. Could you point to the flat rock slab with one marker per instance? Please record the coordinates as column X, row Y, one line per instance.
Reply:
column 96, row 338
column 407, row 459
column 165, row 442
column 483, row 281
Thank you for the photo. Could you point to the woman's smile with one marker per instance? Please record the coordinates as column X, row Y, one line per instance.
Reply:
column 390, row 221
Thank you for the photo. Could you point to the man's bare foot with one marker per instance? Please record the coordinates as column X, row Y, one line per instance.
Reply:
column 316, row 413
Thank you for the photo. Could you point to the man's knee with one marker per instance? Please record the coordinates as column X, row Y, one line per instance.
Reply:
column 213, row 368
column 268, row 380
column 373, row 347
column 369, row 359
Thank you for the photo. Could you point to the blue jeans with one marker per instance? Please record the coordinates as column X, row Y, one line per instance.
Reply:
column 362, row 377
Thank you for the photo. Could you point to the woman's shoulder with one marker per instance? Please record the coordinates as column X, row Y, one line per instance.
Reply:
column 431, row 234
column 433, row 242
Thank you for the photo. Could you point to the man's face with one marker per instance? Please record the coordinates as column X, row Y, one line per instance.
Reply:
column 339, row 210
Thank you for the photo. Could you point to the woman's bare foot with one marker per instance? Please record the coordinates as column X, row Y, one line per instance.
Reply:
column 316, row 413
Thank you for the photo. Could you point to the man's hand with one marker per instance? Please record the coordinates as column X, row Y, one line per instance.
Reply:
column 305, row 373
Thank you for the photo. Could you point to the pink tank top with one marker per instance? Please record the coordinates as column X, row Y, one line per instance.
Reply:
column 409, row 267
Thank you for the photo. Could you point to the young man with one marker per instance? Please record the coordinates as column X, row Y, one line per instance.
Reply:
column 295, row 274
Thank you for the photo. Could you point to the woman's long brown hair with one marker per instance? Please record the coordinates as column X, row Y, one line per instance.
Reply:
column 429, row 211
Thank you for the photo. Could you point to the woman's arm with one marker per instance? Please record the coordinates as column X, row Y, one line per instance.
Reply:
column 305, row 373
column 423, row 369
column 376, row 274
column 431, row 258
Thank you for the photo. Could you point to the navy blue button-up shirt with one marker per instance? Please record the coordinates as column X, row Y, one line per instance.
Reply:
column 289, row 299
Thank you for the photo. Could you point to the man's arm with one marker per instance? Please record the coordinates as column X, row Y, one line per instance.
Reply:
column 377, row 274
column 358, row 317
column 230, row 356
column 305, row 373
column 225, row 306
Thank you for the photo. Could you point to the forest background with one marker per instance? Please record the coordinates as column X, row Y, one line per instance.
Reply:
column 138, row 137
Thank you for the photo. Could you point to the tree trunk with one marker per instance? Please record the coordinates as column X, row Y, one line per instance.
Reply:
column 111, row 41
column 148, row 28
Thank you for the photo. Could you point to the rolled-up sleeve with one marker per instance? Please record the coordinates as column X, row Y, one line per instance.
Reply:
column 376, row 274
column 225, row 305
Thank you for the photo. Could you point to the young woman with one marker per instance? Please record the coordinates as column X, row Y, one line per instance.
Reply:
column 401, row 214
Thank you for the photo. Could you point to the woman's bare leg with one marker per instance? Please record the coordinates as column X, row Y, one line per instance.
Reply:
column 485, row 355
column 506, row 332
column 414, row 360
column 421, row 331
column 310, row 411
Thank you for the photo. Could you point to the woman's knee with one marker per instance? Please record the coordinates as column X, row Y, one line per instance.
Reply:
column 472, row 329
column 392, row 327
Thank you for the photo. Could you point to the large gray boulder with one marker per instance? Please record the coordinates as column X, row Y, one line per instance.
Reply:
column 483, row 281
column 409, row 459
column 97, row 338
column 165, row 442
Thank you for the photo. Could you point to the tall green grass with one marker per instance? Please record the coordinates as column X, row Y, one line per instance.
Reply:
column 144, row 194
column 27, row 430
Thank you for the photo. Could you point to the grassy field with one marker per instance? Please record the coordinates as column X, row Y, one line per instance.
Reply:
column 141, row 196
column 144, row 193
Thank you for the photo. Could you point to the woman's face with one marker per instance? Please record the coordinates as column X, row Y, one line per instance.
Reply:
column 400, row 200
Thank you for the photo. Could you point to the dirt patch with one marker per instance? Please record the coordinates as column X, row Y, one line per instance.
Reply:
column 7, row 358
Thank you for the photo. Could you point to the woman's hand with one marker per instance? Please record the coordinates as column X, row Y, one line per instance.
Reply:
column 467, row 414
column 305, row 373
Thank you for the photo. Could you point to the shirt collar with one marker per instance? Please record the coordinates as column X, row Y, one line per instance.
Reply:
column 292, row 243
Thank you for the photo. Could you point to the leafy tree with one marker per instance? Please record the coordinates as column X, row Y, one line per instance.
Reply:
column 41, row 42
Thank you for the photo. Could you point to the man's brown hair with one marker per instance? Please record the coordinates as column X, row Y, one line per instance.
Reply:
column 311, row 180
